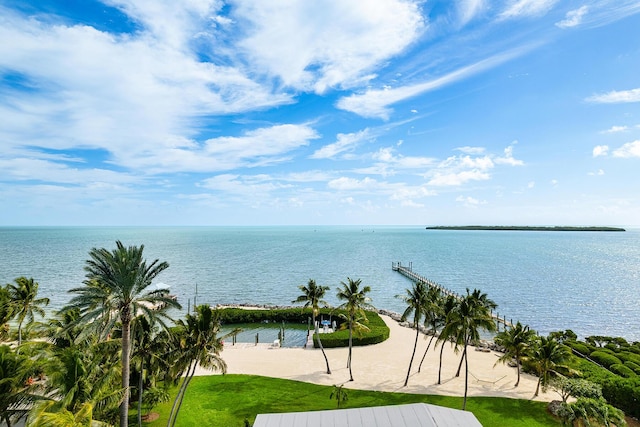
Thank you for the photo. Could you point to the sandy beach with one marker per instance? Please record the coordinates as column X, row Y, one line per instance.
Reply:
column 383, row 367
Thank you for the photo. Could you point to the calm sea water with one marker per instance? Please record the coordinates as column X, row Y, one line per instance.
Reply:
column 585, row 281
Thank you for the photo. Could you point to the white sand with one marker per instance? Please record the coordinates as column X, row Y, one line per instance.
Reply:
column 383, row 367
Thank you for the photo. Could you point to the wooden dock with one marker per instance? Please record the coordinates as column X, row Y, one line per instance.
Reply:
column 415, row 277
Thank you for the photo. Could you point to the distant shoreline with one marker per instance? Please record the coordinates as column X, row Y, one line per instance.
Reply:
column 522, row 228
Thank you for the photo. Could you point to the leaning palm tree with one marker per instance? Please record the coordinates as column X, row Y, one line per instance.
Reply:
column 46, row 414
column 197, row 344
column 117, row 289
column 355, row 302
column 548, row 356
column 5, row 312
column 516, row 342
column 24, row 301
column 17, row 393
column 312, row 295
column 472, row 314
column 433, row 317
column 416, row 300
column 449, row 305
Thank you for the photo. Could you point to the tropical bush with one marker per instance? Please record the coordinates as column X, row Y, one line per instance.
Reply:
column 605, row 359
column 378, row 332
column 633, row 366
column 622, row 370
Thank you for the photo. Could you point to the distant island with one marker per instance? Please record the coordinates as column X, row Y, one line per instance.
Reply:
column 522, row 228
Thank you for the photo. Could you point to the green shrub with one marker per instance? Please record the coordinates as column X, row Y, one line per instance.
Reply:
column 605, row 359
column 623, row 393
column 627, row 356
column 378, row 332
column 633, row 366
column 579, row 347
column 623, row 371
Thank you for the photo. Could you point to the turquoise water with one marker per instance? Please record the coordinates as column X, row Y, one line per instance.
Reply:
column 585, row 281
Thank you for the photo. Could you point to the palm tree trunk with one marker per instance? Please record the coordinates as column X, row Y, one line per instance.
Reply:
column 537, row 387
column 126, row 357
column 425, row 352
column 415, row 345
column 464, row 355
column 466, row 377
column 184, row 390
column 350, row 349
column 440, row 366
column 518, row 370
column 183, row 386
column 326, row 360
column 140, row 393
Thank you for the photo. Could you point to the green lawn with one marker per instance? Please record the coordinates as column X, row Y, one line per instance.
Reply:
column 227, row 400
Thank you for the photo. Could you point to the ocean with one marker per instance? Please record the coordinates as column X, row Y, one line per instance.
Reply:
column 585, row 281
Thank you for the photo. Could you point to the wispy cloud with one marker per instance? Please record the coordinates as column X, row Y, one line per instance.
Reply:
column 616, row 129
column 616, row 96
column 375, row 103
column 344, row 143
column 470, row 202
column 526, row 8
column 573, row 18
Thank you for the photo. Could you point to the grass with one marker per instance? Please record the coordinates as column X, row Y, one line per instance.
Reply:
column 227, row 400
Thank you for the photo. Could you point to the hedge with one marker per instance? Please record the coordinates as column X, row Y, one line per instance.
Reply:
column 622, row 370
column 623, row 393
column 627, row 356
column 605, row 359
column 579, row 347
column 378, row 332
column 633, row 366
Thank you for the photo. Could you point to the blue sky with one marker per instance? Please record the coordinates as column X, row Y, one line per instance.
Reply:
column 252, row 112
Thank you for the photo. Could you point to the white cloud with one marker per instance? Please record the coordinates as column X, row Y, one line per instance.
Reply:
column 345, row 142
column 457, row 178
column 600, row 150
column 470, row 202
column 630, row 149
column 471, row 150
column 616, row 97
column 600, row 172
column 616, row 129
column 573, row 18
column 326, row 44
column 375, row 103
column 531, row 184
column 468, row 9
column 508, row 159
column 526, row 8
column 347, row 184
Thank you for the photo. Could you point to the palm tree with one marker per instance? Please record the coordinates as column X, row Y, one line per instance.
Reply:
column 516, row 342
column 449, row 305
column 116, row 288
column 433, row 317
column 16, row 391
column 5, row 312
column 355, row 301
column 472, row 314
column 416, row 300
column 312, row 295
column 198, row 345
column 25, row 302
column 46, row 414
column 548, row 357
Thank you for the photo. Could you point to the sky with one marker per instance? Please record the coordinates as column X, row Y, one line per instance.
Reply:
column 326, row 112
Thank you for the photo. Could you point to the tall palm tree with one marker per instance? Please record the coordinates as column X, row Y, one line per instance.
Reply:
column 433, row 316
column 472, row 314
column 548, row 357
column 449, row 305
column 516, row 342
column 25, row 303
column 416, row 300
column 312, row 296
column 117, row 289
column 198, row 345
column 355, row 302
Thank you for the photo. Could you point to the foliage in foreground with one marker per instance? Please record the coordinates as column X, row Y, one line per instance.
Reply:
column 230, row 399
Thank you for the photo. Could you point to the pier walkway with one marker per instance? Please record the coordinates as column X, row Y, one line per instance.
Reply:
column 415, row 277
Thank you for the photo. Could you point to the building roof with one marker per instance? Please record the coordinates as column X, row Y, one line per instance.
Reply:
column 410, row 415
